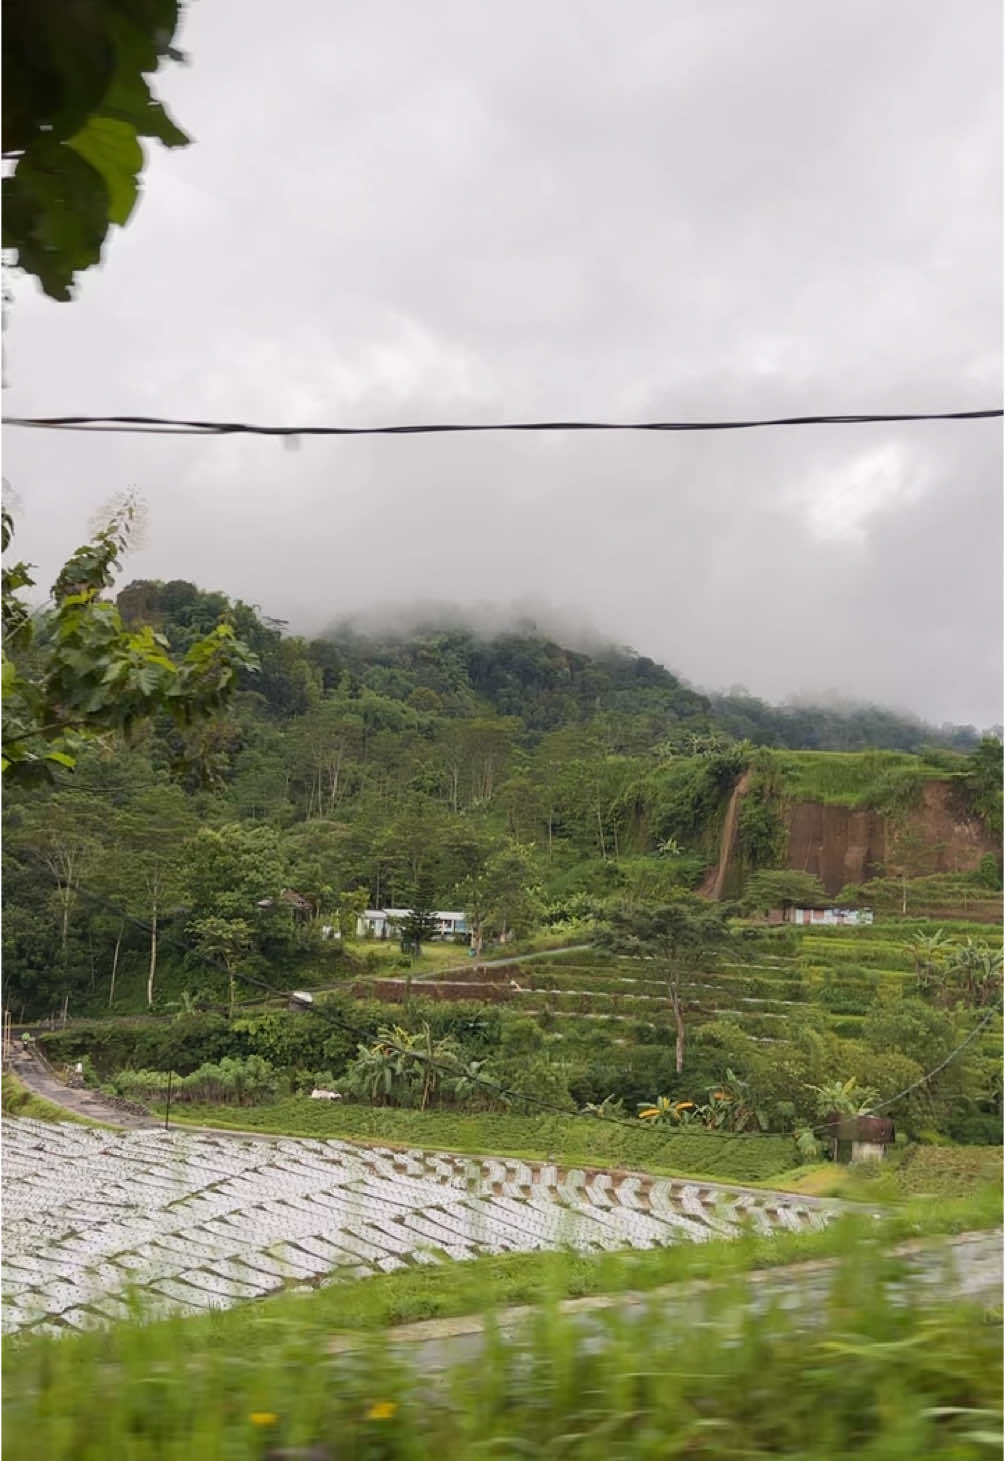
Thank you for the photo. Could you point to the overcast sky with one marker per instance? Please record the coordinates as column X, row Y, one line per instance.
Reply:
column 483, row 210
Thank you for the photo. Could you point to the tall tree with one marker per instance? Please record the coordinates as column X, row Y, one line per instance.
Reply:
column 156, row 830
column 682, row 939
column 421, row 924
column 236, row 876
column 61, row 836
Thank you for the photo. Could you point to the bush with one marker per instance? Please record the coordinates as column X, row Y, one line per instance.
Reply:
column 975, row 1128
column 181, row 1044
column 230, row 1082
column 531, row 1080
column 989, row 873
column 849, row 991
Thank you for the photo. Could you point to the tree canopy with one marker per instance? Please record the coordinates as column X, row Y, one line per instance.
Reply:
column 74, row 670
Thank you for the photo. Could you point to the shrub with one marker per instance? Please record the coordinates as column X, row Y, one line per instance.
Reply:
column 182, row 1044
column 848, row 992
column 229, row 1082
column 531, row 1081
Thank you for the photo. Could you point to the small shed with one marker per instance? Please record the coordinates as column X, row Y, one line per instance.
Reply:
column 859, row 1138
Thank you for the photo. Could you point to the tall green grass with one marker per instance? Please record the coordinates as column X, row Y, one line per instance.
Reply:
column 853, row 778
column 861, row 1371
column 18, row 1100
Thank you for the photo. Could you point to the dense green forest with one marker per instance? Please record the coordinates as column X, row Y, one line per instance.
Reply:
column 519, row 781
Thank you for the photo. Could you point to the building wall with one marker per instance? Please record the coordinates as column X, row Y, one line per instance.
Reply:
column 830, row 915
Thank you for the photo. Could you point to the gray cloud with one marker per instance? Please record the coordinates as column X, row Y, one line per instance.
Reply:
column 483, row 211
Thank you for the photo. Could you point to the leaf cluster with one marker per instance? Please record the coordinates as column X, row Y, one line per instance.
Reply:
column 75, row 104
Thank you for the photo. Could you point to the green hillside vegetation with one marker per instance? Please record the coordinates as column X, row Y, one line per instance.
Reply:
column 534, row 1070
column 873, row 780
column 17, row 1100
column 542, row 792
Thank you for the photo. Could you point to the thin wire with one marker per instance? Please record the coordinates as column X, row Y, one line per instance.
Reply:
column 882, row 1105
column 183, row 427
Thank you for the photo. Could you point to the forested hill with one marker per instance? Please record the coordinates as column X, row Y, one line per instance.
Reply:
column 524, row 783
column 456, row 673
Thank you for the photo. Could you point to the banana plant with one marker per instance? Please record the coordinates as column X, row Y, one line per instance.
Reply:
column 608, row 1109
column 846, row 1098
column 664, row 1112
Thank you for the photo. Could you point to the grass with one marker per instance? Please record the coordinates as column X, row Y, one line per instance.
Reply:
column 569, row 1141
column 851, row 778
column 916, row 1172
column 860, row 1375
column 18, row 1100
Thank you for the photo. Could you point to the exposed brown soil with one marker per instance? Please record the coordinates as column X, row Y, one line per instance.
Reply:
column 843, row 846
column 715, row 879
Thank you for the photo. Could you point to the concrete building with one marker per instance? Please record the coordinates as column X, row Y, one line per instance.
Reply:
column 386, row 923
column 825, row 916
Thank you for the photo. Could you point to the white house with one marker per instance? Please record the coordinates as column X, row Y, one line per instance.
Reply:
column 829, row 915
column 386, row 923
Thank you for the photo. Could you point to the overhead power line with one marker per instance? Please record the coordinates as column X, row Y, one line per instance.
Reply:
column 178, row 427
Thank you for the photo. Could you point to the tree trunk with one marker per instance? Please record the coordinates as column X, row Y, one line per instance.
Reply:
column 600, row 829
column 153, row 956
column 678, row 1017
column 65, row 934
column 115, row 968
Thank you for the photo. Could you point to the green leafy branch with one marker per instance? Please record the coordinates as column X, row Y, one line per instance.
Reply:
column 75, row 104
column 74, row 671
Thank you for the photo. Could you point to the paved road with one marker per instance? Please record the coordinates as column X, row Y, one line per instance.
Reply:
column 32, row 1071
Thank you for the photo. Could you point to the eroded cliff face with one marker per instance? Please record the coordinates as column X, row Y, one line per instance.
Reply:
column 838, row 844
column 842, row 845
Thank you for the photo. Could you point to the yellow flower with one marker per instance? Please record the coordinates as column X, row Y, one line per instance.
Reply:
column 264, row 1417
column 382, row 1410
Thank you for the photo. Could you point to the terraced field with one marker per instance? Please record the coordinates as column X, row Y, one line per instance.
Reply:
column 196, row 1222
column 833, row 974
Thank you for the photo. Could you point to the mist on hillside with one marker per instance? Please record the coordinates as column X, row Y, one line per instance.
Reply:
column 400, row 623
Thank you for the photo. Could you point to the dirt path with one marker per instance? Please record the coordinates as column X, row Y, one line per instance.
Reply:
column 715, row 881
column 32, row 1071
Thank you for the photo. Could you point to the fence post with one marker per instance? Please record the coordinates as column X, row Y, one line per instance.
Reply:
column 167, row 1109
